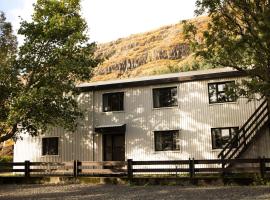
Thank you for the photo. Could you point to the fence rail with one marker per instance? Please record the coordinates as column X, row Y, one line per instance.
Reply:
column 132, row 168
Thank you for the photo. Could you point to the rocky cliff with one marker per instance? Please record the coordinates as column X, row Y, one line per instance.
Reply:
column 155, row 52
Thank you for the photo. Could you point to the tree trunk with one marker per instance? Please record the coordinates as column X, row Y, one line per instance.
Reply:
column 9, row 135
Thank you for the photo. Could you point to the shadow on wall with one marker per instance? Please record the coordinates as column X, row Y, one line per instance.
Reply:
column 193, row 116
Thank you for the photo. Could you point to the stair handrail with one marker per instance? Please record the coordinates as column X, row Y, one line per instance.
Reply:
column 246, row 130
column 228, row 147
column 248, row 136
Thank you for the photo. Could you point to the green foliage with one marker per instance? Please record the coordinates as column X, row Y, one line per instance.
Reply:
column 55, row 55
column 238, row 36
column 5, row 159
column 259, row 180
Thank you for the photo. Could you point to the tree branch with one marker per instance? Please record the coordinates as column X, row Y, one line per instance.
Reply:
column 10, row 134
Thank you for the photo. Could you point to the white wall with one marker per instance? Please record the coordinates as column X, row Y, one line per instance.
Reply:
column 77, row 145
column 194, row 117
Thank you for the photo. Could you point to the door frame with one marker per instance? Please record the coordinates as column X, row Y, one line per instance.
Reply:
column 103, row 144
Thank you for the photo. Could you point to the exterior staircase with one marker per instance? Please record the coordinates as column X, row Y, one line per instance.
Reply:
column 247, row 134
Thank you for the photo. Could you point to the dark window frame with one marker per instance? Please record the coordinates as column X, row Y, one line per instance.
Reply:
column 174, row 146
column 120, row 107
column 234, row 99
column 214, row 146
column 161, row 105
column 45, row 150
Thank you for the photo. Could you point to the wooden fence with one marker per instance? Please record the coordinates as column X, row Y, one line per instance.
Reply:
column 132, row 168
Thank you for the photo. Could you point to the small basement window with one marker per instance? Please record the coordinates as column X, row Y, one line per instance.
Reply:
column 165, row 97
column 166, row 140
column 113, row 101
column 50, row 146
column 221, row 136
column 221, row 92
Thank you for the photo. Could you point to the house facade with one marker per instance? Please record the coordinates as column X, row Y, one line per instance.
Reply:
column 166, row 117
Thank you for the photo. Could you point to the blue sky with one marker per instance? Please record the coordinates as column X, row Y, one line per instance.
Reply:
column 112, row 19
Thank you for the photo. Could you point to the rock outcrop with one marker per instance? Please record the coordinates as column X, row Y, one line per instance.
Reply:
column 163, row 49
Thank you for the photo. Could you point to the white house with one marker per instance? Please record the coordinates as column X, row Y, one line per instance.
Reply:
column 166, row 117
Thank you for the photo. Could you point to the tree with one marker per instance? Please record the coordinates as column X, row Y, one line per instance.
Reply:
column 238, row 36
column 9, row 81
column 54, row 57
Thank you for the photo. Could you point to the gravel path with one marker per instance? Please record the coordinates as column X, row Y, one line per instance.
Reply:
column 81, row 191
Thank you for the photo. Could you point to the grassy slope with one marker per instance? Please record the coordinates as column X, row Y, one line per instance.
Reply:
column 144, row 51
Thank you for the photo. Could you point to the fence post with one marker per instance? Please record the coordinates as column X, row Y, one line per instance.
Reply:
column 191, row 169
column 75, row 171
column 79, row 170
column 27, row 168
column 130, row 170
column 262, row 166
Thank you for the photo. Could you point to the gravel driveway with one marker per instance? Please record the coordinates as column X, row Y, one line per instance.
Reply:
column 81, row 191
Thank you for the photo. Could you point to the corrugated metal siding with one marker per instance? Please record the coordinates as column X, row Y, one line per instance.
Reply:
column 193, row 116
column 261, row 147
column 72, row 145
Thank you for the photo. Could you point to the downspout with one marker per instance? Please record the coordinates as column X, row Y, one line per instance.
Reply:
column 93, row 128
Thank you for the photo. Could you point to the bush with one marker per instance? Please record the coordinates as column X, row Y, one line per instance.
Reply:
column 4, row 159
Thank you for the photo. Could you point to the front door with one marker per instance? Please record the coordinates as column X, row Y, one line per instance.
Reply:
column 114, row 147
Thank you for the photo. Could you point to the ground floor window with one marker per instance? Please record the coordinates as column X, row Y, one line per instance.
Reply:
column 50, row 146
column 166, row 140
column 221, row 136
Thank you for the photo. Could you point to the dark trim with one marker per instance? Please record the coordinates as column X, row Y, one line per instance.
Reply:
column 163, row 81
column 111, row 130
column 112, row 147
column 162, row 88
column 42, row 145
column 121, row 99
column 155, row 145
column 230, row 127
column 217, row 92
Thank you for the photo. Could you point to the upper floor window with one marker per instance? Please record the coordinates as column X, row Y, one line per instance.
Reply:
column 50, row 146
column 218, row 92
column 165, row 97
column 113, row 101
column 221, row 136
column 166, row 140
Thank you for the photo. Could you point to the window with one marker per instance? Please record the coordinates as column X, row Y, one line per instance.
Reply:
column 113, row 101
column 218, row 92
column 166, row 140
column 50, row 146
column 221, row 136
column 165, row 97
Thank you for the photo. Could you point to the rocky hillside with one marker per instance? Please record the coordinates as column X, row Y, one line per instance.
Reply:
column 156, row 52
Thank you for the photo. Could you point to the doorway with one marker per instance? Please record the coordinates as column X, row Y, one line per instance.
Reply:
column 114, row 147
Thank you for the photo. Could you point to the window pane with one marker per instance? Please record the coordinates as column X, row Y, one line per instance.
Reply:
column 221, row 92
column 221, row 87
column 156, row 98
column 234, row 135
column 221, row 97
column 221, row 136
column 216, row 138
column 225, row 136
column 165, row 97
column 212, row 93
column 105, row 103
column 50, row 146
column 166, row 140
column 158, row 141
column 113, row 102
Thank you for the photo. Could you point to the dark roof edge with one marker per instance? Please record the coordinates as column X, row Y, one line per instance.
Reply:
column 198, row 77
